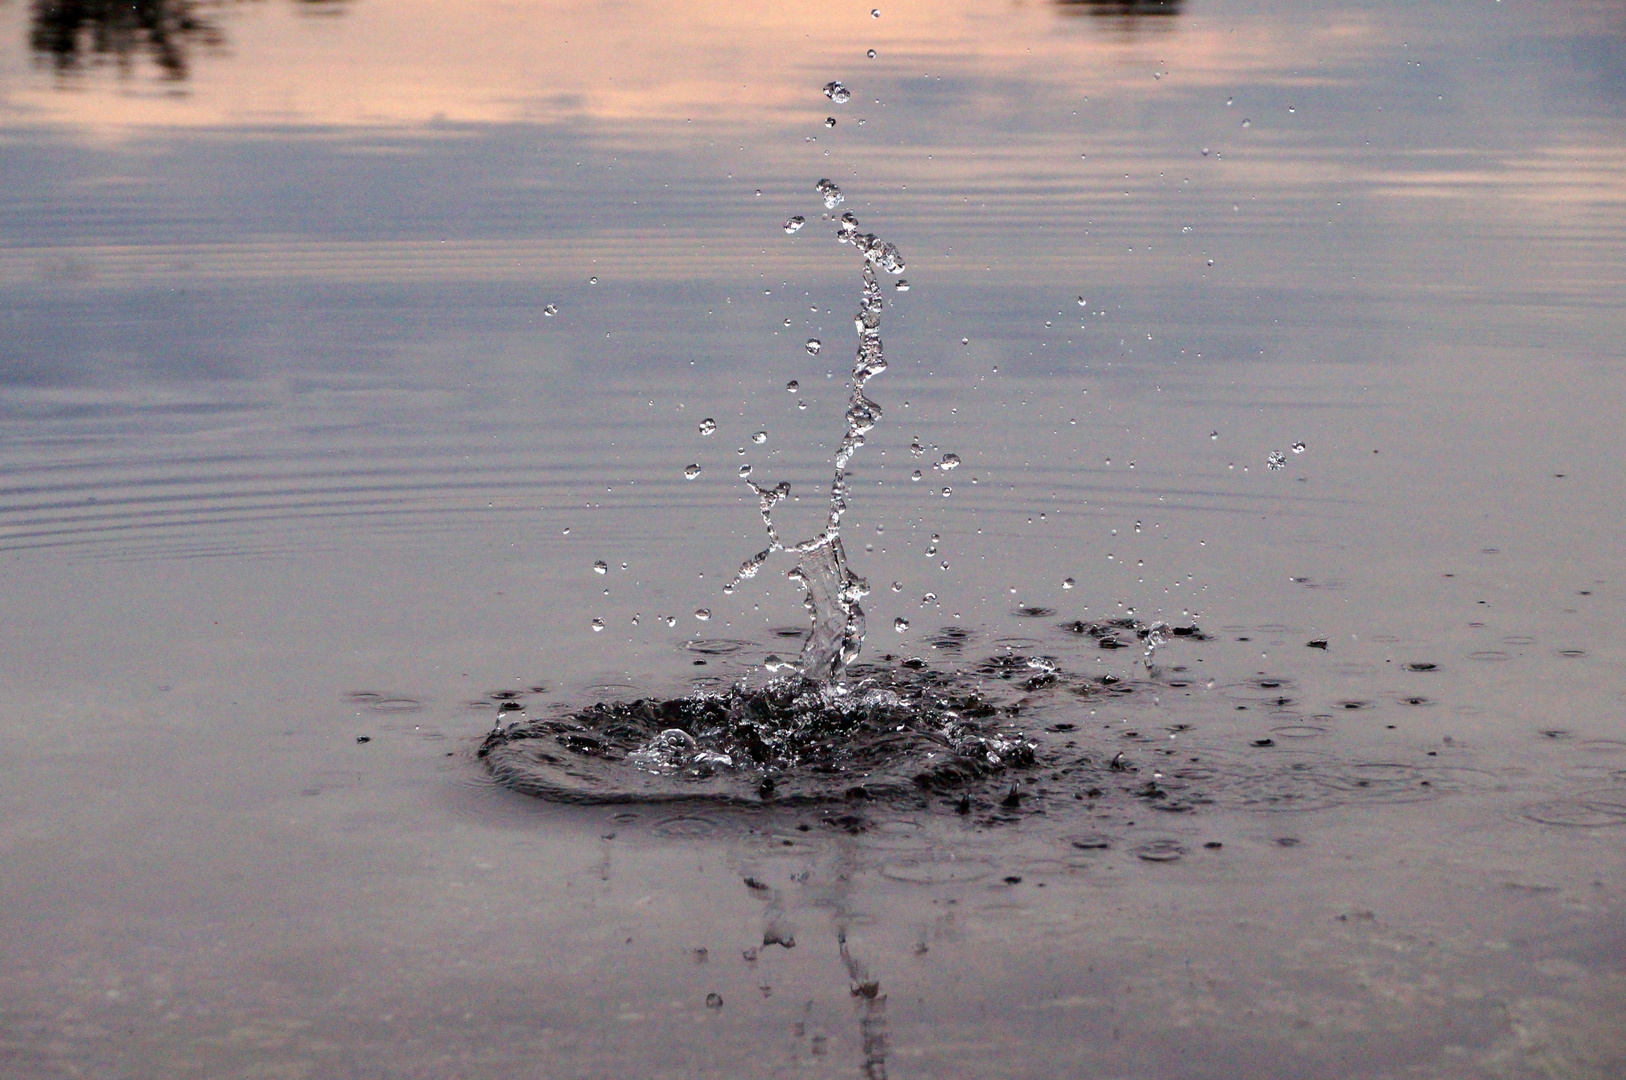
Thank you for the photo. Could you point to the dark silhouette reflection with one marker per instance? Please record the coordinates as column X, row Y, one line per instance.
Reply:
column 1128, row 14
column 71, row 35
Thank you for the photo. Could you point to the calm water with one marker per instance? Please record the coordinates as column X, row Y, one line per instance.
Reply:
column 293, row 457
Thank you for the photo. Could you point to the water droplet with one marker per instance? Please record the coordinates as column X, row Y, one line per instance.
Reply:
column 829, row 121
column 760, row 437
column 550, row 311
column 1276, row 460
column 915, row 475
column 1213, row 435
column 598, row 624
column 671, row 620
column 897, row 586
column 871, row 54
column 1082, row 302
column 592, row 281
column 915, row 448
column 900, row 624
column 702, row 613
column 965, row 341
column 947, row 491
column 601, row 567
column 707, row 426
column 875, row 13
column 1298, row 448
column 691, row 471
column 1067, row 583
column 814, row 345
column 1247, row 123
column 714, row 1001
column 901, row 285
column 929, row 598
column 949, row 463
column 792, row 386
column 837, row 93
column 745, row 470
column 831, row 193
column 795, row 224
column 1205, row 151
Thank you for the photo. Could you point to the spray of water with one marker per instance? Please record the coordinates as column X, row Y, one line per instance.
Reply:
column 834, row 592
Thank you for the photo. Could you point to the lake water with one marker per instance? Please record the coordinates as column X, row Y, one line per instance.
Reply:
column 303, row 488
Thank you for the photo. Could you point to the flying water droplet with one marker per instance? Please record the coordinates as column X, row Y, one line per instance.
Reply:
column 837, row 92
column 897, row 586
column 598, row 624
column 702, row 613
column 901, row 285
column 1298, row 448
column 1067, row 583
column 592, row 281
column 794, row 224
column 707, row 426
column 1276, row 460
column 745, row 470
column 814, row 345
column 760, row 437
column 830, row 192
column 601, row 567
column 915, row 475
column 1213, row 435
column 671, row 620
column 1082, row 302
column 871, row 54
column 949, row 463
column 550, row 311
column 829, row 121
column 691, row 471
column 900, row 624
column 792, row 386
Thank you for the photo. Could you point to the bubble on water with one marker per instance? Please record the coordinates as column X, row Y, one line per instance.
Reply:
column 702, row 613
column 1067, row 583
column 901, row 285
column 707, row 426
column 900, row 624
column 870, row 54
column 794, row 224
column 745, row 470
column 1276, row 460
column 598, row 624
column 837, row 92
column 814, row 345
column 601, row 567
column 1298, row 448
column 949, row 463
column 829, row 121
column 592, row 281
column 691, row 471
column 550, row 311
column 760, row 437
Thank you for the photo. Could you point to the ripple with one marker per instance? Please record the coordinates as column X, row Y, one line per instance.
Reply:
column 1030, row 611
column 936, row 871
column 717, row 646
column 1160, row 850
column 685, row 827
column 1489, row 656
column 1586, row 809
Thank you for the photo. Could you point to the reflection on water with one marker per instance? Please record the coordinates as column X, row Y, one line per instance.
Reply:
column 1129, row 13
column 71, row 35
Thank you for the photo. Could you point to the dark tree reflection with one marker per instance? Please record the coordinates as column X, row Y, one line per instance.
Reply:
column 1126, row 13
column 71, row 35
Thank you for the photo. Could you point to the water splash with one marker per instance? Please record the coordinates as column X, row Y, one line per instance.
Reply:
column 834, row 592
